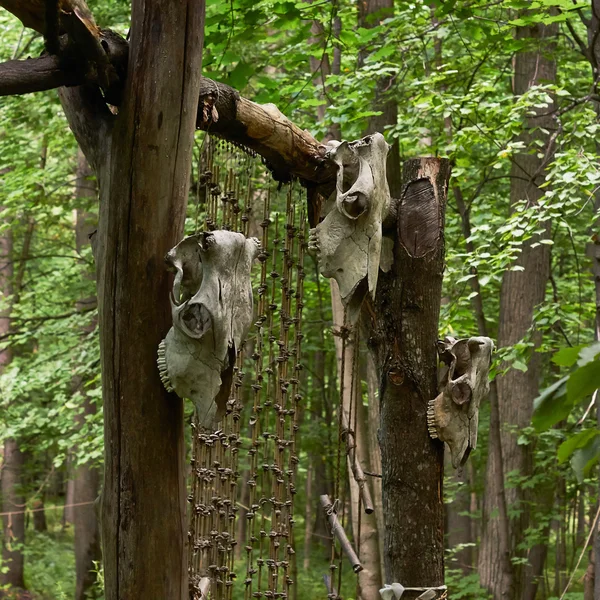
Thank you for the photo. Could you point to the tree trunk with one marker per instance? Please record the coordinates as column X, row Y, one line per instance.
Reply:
column 404, row 331
column 13, row 501
column 86, row 478
column 143, row 159
column 521, row 292
column 375, row 453
column 364, row 528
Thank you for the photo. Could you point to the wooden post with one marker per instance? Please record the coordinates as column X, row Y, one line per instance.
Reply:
column 403, row 326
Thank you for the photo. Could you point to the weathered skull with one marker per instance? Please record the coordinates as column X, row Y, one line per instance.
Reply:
column 211, row 306
column 348, row 241
column 453, row 416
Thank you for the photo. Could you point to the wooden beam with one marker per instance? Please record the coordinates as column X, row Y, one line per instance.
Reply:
column 287, row 149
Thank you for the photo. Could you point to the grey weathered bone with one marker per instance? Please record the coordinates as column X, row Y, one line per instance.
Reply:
column 464, row 382
column 348, row 241
column 211, row 307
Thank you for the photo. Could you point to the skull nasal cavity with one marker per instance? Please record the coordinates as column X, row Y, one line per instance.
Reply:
column 355, row 205
column 196, row 319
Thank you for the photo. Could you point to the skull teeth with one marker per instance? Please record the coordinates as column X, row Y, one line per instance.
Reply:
column 431, row 423
column 163, row 371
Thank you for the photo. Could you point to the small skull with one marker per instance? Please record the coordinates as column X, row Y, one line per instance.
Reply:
column 348, row 241
column 211, row 305
column 464, row 381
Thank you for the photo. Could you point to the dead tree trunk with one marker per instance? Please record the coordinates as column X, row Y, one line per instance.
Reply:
column 142, row 158
column 404, row 326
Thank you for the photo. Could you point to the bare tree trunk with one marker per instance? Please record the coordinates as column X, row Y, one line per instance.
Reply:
column 142, row 158
column 86, row 478
column 521, row 291
column 365, row 528
column 403, row 325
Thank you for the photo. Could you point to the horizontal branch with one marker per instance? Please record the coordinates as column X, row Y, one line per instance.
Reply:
column 100, row 56
column 33, row 75
column 287, row 149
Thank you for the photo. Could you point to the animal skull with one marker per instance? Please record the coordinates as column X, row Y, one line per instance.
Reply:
column 348, row 241
column 454, row 415
column 211, row 305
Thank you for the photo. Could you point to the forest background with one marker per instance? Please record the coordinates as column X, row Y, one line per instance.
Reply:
column 508, row 91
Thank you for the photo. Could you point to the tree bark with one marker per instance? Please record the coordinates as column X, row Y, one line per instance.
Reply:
column 403, row 322
column 143, row 159
column 13, row 501
column 375, row 453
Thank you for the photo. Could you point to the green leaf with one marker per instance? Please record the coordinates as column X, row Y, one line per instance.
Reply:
column 585, row 458
column 566, row 357
column 583, row 382
column 551, row 406
column 579, row 440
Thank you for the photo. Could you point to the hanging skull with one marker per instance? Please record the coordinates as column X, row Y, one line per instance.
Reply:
column 211, row 306
column 454, row 415
column 348, row 241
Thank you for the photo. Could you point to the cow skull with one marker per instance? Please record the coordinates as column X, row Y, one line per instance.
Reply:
column 454, row 415
column 211, row 306
column 348, row 241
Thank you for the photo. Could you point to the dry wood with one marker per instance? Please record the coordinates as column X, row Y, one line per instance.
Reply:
column 340, row 534
column 403, row 326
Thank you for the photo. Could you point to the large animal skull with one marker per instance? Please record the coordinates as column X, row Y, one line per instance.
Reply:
column 454, row 415
column 348, row 241
column 211, row 306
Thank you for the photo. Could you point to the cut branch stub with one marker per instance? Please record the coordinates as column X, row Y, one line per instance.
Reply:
column 464, row 382
column 348, row 242
column 212, row 312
